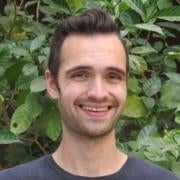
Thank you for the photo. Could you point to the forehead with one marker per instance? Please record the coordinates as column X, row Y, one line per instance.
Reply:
column 92, row 49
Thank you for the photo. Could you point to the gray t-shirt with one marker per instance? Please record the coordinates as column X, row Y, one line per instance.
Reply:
column 45, row 168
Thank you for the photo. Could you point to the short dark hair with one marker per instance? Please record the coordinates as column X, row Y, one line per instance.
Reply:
column 92, row 21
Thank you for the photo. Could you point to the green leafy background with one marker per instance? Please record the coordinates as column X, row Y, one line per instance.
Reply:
column 29, row 120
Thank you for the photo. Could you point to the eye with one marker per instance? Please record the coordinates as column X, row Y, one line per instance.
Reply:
column 80, row 76
column 114, row 77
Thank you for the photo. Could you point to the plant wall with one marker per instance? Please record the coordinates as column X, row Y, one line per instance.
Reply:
column 29, row 120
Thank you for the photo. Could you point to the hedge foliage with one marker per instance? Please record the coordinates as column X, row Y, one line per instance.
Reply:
column 29, row 119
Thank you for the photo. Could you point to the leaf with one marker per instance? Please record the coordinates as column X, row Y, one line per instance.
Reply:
column 169, row 14
column 177, row 117
column 58, row 8
column 133, row 85
column 154, row 154
column 120, row 125
column 1, row 104
column 157, row 149
column 151, row 9
column 30, row 3
column 46, row 51
column 170, row 95
column 9, row 9
column 175, row 77
column 37, row 43
column 121, row 7
column 20, row 51
column 136, row 5
column 30, row 70
column 170, row 135
column 170, row 25
column 149, row 27
column 23, row 82
column 33, row 106
column 12, row 73
column 18, row 34
column 152, row 86
column 143, row 50
column 75, row 5
column 137, row 64
column 5, row 54
column 92, row 4
column 21, row 120
column 135, row 107
column 158, row 45
column 38, row 29
column 174, row 151
column 50, row 122
column 24, row 114
column 2, row 71
column 7, row 137
column 21, row 97
column 157, row 142
column 169, row 62
column 38, row 84
column 148, row 102
column 128, row 19
column 164, row 4
column 171, row 56
column 145, row 133
column 17, row 154
column 177, row 137
column 176, row 167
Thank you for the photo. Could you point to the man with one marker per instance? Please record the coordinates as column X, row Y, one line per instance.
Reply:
column 87, row 74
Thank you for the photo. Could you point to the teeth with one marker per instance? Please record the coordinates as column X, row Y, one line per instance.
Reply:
column 87, row 108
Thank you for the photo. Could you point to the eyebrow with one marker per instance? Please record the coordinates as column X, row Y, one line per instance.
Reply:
column 84, row 67
column 78, row 68
column 118, row 70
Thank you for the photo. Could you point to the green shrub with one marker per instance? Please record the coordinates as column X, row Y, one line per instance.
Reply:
column 29, row 120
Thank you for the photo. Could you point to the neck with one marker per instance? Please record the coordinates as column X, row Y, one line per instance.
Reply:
column 89, row 156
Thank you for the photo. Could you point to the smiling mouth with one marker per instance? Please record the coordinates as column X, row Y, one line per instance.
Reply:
column 95, row 109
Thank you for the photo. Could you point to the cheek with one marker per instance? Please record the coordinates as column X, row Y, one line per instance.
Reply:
column 71, row 91
column 120, row 93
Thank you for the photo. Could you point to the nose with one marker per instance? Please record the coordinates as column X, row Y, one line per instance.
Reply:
column 97, row 90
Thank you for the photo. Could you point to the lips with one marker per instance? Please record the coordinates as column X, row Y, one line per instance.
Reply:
column 95, row 111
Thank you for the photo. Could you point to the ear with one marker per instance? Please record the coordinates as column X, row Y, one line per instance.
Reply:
column 51, row 85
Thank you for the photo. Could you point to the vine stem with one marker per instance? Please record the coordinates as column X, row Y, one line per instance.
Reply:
column 37, row 10
column 40, row 146
column 21, row 3
column 5, row 119
column 148, row 36
column 36, row 142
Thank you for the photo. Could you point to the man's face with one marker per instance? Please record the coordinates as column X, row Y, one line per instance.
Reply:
column 92, row 83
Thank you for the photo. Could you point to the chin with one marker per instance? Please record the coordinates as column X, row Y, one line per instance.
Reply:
column 97, row 133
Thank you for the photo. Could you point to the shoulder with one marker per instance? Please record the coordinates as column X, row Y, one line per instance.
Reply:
column 141, row 169
column 26, row 170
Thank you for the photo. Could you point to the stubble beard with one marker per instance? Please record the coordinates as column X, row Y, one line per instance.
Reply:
column 74, row 126
column 71, row 123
